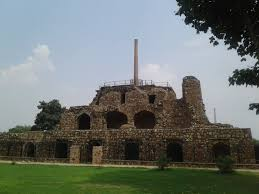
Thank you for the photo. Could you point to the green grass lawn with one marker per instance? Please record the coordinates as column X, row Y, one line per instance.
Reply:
column 63, row 179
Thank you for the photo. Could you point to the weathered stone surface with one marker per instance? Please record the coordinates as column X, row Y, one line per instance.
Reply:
column 97, row 154
column 74, row 153
column 137, row 124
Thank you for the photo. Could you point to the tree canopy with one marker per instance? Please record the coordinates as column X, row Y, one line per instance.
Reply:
column 20, row 129
column 49, row 116
column 236, row 22
column 256, row 142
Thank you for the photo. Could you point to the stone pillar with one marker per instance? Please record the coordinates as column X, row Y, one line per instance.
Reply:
column 136, row 80
column 74, row 156
column 97, row 154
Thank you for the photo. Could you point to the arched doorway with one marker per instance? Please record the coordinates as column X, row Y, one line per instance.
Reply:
column 61, row 150
column 15, row 149
column 174, row 152
column 115, row 119
column 30, row 150
column 83, row 154
column 220, row 150
column 132, row 151
column 144, row 120
column 89, row 150
column 256, row 147
column 84, row 122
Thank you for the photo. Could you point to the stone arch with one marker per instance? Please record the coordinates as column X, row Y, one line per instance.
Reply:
column 15, row 149
column 116, row 119
column 30, row 150
column 144, row 120
column 61, row 149
column 174, row 152
column 132, row 151
column 84, row 122
column 220, row 149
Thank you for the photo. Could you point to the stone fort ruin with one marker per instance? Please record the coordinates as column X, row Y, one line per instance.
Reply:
column 133, row 122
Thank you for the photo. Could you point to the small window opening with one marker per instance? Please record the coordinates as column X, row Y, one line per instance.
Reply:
column 123, row 98
column 152, row 99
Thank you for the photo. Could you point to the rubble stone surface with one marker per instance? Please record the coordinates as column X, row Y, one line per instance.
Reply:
column 131, row 123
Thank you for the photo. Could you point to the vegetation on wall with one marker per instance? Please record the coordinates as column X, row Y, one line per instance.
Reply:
column 236, row 22
column 19, row 129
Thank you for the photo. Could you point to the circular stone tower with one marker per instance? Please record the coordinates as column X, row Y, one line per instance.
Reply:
column 193, row 97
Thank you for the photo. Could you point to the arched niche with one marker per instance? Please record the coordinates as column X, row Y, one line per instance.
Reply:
column 30, row 150
column 144, row 120
column 84, row 122
column 115, row 119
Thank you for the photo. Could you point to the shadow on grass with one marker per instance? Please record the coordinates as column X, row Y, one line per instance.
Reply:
column 177, row 181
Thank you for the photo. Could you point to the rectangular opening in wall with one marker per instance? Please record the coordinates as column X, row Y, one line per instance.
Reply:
column 152, row 99
column 61, row 149
column 123, row 98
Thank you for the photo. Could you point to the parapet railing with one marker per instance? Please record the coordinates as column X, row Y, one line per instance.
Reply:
column 131, row 82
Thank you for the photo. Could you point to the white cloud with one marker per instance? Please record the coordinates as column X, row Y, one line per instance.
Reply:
column 29, row 71
column 23, row 86
column 157, row 73
column 162, row 73
column 200, row 41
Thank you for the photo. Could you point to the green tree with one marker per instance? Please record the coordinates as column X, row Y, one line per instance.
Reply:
column 256, row 142
column 236, row 22
column 20, row 129
column 49, row 116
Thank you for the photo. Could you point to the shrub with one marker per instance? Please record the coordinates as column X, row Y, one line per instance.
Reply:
column 162, row 162
column 225, row 164
column 13, row 163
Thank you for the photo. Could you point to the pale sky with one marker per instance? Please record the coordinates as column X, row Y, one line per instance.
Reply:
column 66, row 49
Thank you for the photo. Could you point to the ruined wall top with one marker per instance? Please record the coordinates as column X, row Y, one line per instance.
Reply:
column 142, row 106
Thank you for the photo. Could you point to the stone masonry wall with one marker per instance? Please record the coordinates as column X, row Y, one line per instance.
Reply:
column 197, row 143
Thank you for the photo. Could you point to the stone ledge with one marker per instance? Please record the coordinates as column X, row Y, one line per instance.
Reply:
column 177, row 164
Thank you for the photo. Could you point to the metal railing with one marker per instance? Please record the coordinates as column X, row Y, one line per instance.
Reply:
column 131, row 82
